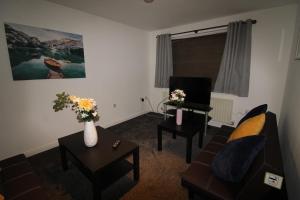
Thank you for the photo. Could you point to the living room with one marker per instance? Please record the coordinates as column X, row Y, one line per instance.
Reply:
column 120, row 70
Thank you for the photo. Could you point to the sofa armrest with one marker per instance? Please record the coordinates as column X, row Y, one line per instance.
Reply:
column 225, row 131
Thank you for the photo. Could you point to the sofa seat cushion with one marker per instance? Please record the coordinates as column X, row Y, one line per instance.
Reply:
column 218, row 139
column 205, row 158
column 1, row 186
column 16, row 170
column 213, row 147
column 13, row 160
column 225, row 131
column 36, row 193
column 200, row 178
column 19, row 180
column 21, row 185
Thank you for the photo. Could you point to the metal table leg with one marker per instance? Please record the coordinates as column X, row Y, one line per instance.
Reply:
column 165, row 111
column 205, row 125
column 136, row 164
column 63, row 157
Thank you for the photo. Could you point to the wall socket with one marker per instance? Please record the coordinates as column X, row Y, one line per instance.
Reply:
column 273, row 180
column 165, row 94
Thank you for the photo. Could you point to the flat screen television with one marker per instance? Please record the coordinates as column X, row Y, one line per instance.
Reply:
column 197, row 89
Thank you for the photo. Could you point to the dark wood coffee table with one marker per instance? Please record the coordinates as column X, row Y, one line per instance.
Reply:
column 101, row 164
column 192, row 124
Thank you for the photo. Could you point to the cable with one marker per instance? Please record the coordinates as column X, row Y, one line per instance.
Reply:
column 148, row 100
column 161, row 103
column 155, row 115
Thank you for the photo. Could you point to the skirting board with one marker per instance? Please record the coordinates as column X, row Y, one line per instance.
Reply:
column 53, row 144
column 40, row 149
column 123, row 120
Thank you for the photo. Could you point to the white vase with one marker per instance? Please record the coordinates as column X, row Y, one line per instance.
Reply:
column 179, row 116
column 90, row 134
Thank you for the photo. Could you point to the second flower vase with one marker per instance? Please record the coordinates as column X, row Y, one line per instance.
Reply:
column 179, row 116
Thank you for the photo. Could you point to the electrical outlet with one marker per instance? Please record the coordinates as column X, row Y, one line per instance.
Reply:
column 231, row 123
column 165, row 94
column 273, row 180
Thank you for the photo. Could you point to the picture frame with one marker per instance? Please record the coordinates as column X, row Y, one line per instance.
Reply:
column 42, row 53
column 297, row 54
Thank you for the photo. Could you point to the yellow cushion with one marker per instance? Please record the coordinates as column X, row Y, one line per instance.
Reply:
column 1, row 197
column 251, row 126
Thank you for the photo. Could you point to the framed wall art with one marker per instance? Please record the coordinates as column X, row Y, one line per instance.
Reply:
column 297, row 56
column 40, row 53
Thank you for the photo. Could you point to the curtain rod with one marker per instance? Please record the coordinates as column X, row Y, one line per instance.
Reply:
column 214, row 27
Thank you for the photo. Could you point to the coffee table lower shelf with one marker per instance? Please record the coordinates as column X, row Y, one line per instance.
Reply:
column 100, row 164
column 113, row 173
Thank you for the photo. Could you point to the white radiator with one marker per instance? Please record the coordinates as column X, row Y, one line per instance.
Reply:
column 222, row 110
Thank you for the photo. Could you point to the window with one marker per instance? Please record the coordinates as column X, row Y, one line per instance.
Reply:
column 198, row 56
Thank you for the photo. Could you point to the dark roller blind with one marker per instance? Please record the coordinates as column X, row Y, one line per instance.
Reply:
column 198, row 56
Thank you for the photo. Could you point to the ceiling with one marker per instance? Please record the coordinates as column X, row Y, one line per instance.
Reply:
column 167, row 13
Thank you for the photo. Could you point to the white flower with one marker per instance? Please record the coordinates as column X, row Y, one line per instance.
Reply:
column 84, row 115
column 177, row 95
column 95, row 114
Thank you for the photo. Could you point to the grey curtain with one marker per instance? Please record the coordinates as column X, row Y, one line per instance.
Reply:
column 164, row 61
column 234, row 73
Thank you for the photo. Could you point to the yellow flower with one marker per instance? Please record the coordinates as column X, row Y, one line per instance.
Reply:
column 74, row 99
column 85, row 104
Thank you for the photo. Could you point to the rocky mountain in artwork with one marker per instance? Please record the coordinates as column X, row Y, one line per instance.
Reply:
column 63, row 43
column 24, row 47
column 17, row 39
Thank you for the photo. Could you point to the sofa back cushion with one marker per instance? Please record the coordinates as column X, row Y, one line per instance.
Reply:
column 251, row 126
column 253, row 112
column 234, row 160
column 267, row 160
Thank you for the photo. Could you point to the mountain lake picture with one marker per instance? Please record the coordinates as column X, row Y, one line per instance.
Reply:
column 39, row 53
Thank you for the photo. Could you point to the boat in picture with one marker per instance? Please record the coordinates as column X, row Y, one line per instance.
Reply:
column 36, row 55
column 52, row 64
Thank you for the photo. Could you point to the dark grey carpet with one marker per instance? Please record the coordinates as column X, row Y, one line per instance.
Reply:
column 160, row 171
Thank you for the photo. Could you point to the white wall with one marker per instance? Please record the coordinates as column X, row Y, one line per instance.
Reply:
column 289, row 122
column 116, row 58
column 272, row 39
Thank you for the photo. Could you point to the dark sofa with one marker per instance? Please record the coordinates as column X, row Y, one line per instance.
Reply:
column 19, row 180
column 199, row 178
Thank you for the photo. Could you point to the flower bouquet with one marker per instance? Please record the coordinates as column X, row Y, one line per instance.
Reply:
column 177, row 98
column 83, row 107
column 86, row 112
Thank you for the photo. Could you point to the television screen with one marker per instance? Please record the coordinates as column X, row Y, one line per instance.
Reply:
column 197, row 89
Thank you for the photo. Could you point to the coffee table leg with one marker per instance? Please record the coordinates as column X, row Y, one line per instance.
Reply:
column 136, row 164
column 206, row 121
column 159, row 138
column 188, row 149
column 200, row 138
column 96, row 191
column 63, row 157
column 174, row 135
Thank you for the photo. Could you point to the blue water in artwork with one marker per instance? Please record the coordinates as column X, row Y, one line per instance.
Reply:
column 36, row 69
